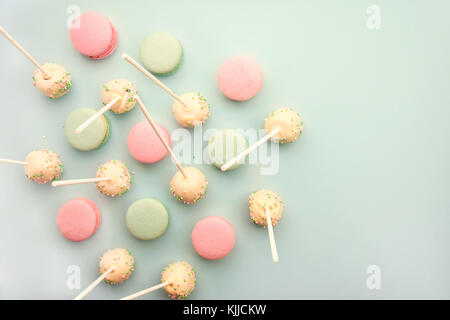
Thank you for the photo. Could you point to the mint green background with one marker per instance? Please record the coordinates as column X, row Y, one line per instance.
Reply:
column 367, row 183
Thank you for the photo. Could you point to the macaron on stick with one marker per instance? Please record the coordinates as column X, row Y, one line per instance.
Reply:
column 91, row 287
column 78, row 181
column 159, row 134
column 145, row 291
column 14, row 161
column 244, row 153
column 273, row 245
column 100, row 112
column 21, row 49
column 153, row 78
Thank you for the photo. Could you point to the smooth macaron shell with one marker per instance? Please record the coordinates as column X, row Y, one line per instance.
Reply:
column 78, row 219
column 147, row 219
column 240, row 78
column 144, row 144
column 213, row 237
column 93, row 35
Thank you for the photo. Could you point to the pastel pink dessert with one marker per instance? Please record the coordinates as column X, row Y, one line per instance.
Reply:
column 213, row 237
column 78, row 219
column 144, row 145
column 93, row 35
column 240, row 78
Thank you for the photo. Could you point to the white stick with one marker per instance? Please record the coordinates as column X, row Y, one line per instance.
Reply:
column 158, row 133
column 143, row 292
column 241, row 155
column 89, row 121
column 14, row 162
column 94, row 284
column 21, row 49
column 77, row 181
column 273, row 245
column 153, row 78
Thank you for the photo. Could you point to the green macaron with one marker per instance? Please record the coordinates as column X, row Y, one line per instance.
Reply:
column 147, row 219
column 92, row 137
column 226, row 144
column 161, row 52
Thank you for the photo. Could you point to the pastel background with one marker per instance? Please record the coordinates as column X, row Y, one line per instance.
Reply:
column 367, row 184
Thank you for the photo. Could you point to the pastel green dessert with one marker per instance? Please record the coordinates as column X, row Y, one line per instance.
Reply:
column 147, row 219
column 161, row 52
column 226, row 144
column 92, row 137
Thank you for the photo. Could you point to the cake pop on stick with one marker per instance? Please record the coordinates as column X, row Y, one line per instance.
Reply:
column 51, row 79
column 266, row 209
column 178, row 280
column 282, row 125
column 115, row 267
column 117, row 96
column 188, row 185
column 41, row 165
column 191, row 109
column 113, row 179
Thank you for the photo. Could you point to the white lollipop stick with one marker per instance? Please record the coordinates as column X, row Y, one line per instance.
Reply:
column 153, row 78
column 143, row 292
column 273, row 245
column 93, row 284
column 241, row 155
column 14, row 162
column 77, row 181
column 158, row 133
column 21, row 49
column 89, row 121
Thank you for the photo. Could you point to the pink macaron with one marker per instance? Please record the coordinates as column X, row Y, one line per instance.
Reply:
column 93, row 35
column 144, row 145
column 213, row 237
column 78, row 219
column 240, row 78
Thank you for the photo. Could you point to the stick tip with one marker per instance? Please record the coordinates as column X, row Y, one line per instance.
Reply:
column 124, row 55
column 54, row 184
column 223, row 168
column 275, row 260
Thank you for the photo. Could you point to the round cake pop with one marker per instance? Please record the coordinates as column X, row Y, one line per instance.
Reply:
column 289, row 122
column 259, row 201
column 194, row 112
column 119, row 175
column 121, row 260
column 181, row 278
column 190, row 189
column 56, row 83
column 43, row 166
column 122, row 89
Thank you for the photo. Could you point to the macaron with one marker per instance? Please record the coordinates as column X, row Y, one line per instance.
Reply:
column 226, row 144
column 161, row 52
column 78, row 219
column 43, row 166
column 194, row 112
column 240, row 78
column 147, row 219
column 93, row 35
column 56, row 83
column 181, row 277
column 121, row 260
column 93, row 137
column 213, row 237
column 287, row 121
column 121, row 89
column 190, row 189
column 144, row 144
column 119, row 178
